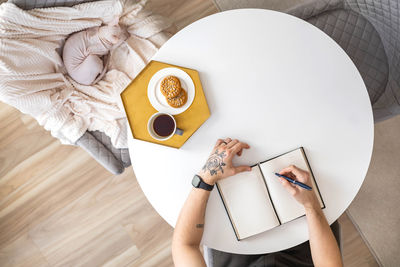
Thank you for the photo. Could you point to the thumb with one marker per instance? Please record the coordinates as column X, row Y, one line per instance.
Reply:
column 242, row 169
column 288, row 186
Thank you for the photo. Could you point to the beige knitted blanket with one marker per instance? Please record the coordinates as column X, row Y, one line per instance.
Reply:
column 33, row 78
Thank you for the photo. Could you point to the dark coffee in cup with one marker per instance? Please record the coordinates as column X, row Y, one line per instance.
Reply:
column 164, row 125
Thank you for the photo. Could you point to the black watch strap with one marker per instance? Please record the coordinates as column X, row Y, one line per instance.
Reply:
column 198, row 182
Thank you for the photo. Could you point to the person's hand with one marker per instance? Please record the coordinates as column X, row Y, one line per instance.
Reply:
column 305, row 197
column 219, row 163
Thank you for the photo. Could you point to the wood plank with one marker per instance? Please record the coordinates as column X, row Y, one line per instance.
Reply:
column 355, row 252
column 22, row 252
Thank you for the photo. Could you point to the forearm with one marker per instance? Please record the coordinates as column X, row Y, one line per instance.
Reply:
column 189, row 229
column 190, row 225
column 324, row 248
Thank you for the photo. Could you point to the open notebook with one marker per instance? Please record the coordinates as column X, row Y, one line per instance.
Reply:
column 256, row 201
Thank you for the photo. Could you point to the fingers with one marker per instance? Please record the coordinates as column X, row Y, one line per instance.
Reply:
column 291, row 189
column 299, row 173
column 235, row 146
column 227, row 140
column 239, row 146
column 242, row 169
column 219, row 142
column 290, row 175
column 232, row 143
column 223, row 142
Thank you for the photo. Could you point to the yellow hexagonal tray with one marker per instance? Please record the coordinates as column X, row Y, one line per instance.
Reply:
column 138, row 108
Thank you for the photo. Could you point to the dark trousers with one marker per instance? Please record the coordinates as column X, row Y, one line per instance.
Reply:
column 299, row 255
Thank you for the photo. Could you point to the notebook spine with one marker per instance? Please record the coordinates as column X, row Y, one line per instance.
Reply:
column 269, row 196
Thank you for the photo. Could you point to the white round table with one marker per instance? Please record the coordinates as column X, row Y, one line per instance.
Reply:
column 277, row 83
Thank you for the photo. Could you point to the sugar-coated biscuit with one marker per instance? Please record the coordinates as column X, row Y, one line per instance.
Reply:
column 179, row 100
column 170, row 86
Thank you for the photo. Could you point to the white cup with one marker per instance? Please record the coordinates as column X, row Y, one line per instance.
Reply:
column 162, row 127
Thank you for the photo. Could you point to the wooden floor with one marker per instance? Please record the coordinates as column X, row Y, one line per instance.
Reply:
column 58, row 207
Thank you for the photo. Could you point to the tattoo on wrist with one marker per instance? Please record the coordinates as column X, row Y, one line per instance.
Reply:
column 215, row 163
column 199, row 225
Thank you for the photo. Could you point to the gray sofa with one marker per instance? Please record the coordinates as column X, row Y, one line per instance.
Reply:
column 96, row 143
column 369, row 32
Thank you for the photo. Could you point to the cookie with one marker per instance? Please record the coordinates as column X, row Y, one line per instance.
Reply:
column 179, row 100
column 170, row 86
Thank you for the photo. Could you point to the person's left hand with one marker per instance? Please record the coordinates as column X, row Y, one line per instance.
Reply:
column 219, row 163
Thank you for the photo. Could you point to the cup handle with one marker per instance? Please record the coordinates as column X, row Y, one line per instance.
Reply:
column 179, row 131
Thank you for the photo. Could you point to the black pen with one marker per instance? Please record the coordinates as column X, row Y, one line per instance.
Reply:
column 290, row 180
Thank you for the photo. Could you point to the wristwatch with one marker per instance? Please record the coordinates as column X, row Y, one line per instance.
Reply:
column 198, row 182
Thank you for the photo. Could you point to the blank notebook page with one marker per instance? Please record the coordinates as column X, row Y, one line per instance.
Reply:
column 286, row 206
column 247, row 202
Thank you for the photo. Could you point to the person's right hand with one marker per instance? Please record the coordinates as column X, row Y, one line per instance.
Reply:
column 305, row 197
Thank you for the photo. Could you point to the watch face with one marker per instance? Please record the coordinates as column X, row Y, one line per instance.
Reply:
column 196, row 181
